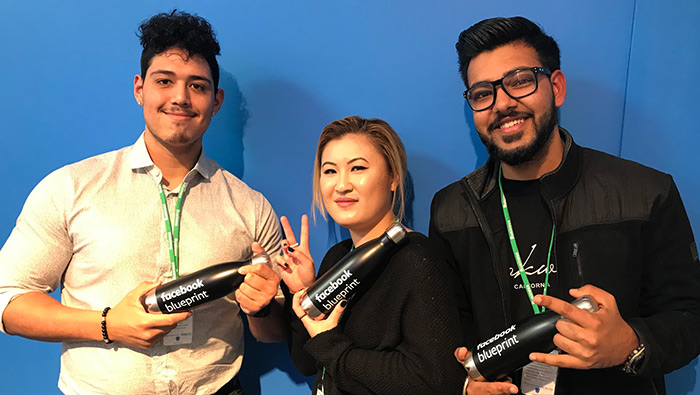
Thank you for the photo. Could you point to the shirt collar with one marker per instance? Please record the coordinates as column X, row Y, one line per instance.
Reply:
column 205, row 166
column 140, row 159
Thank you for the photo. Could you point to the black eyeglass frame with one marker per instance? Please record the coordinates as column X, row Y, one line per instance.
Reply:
column 494, row 84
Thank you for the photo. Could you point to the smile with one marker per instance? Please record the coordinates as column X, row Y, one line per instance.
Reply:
column 180, row 114
column 179, row 117
column 511, row 123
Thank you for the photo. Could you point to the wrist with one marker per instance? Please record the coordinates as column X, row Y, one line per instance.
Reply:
column 263, row 312
column 626, row 342
column 634, row 360
column 302, row 285
column 103, row 326
column 635, row 357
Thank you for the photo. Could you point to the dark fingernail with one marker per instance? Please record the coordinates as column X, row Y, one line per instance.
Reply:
column 290, row 249
column 343, row 303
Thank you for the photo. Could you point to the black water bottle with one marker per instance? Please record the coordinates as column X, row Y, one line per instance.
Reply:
column 510, row 349
column 342, row 280
column 199, row 287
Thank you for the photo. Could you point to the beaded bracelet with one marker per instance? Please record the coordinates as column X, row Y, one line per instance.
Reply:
column 105, row 337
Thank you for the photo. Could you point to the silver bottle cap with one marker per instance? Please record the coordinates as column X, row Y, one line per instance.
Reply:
column 471, row 368
column 586, row 303
column 150, row 301
column 310, row 307
column 397, row 233
column 260, row 258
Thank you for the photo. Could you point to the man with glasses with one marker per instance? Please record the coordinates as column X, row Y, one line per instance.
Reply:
column 546, row 221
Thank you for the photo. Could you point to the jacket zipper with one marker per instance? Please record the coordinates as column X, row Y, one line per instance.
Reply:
column 579, row 265
column 486, row 229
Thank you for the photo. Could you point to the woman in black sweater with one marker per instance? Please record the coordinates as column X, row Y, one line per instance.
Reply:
column 397, row 335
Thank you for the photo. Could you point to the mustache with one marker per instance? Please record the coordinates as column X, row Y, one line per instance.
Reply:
column 179, row 110
column 501, row 116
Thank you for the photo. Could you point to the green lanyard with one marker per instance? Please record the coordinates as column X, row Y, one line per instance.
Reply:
column 516, row 253
column 173, row 232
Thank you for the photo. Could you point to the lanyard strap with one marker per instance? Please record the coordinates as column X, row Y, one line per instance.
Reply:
column 173, row 231
column 516, row 252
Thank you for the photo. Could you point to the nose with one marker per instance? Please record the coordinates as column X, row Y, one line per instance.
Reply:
column 344, row 185
column 503, row 102
column 181, row 95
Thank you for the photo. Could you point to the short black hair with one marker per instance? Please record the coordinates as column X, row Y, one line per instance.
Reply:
column 492, row 33
column 179, row 29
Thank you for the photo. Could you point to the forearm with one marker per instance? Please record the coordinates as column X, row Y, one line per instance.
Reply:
column 270, row 329
column 670, row 339
column 669, row 318
column 38, row 316
column 298, row 336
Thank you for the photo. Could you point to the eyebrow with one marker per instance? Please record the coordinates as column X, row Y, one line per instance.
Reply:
column 193, row 77
column 504, row 74
column 350, row 161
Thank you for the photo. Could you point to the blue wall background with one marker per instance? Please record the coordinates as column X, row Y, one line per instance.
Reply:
column 289, row 68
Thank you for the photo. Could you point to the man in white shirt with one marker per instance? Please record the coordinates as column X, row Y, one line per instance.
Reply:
column 98, row 229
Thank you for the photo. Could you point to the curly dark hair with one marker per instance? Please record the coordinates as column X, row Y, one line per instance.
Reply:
column 492, row 33
column 178, row 29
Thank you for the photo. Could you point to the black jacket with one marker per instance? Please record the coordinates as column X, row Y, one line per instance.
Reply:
column 620, row 226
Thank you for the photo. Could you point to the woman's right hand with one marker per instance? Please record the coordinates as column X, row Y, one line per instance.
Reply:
column 296, row 267
column 322, row 323
column 477, row 387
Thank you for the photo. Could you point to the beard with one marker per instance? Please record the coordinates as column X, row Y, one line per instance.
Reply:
column 178, row 138
column 544, row 127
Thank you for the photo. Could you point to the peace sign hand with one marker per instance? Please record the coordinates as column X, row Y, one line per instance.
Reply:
column 296, row 267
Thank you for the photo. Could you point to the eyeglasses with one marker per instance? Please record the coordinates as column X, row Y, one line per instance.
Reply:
column 516, row 84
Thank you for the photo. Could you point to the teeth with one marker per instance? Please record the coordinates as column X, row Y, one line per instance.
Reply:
column 512, row 123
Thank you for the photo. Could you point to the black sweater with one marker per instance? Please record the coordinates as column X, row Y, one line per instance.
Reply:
column 397, row 337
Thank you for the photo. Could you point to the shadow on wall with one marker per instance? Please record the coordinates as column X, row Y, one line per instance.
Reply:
column 593, row 114
column 431, row 174
column 224, row 138
column 409, row 197
column 682, row 381
column 481, row 154
column 224, row 144
column 264, row 357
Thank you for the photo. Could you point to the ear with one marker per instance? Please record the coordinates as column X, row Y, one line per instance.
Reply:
column 138, row 89
column 558, row 87
column 394, row 184
column 218, row 101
